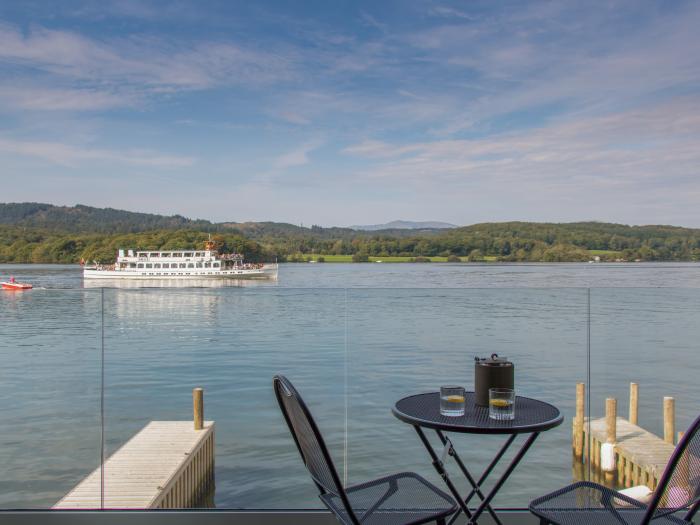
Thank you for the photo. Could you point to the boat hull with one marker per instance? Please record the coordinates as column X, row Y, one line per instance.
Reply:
column 16, row 286
column 266, row 272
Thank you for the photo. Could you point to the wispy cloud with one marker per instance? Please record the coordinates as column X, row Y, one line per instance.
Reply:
column 559, row 54
column 73, row 156
column 449, row 12
column 293, row 117
column 371, row 21
column 138, row 60
column 641, row 147
column 298, row 156
column 58, row 99
column 639, row 166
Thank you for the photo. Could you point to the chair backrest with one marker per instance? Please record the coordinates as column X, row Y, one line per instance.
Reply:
column 309, row 441
column 679, row 485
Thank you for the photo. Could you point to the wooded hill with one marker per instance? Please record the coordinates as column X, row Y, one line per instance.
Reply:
column 34, row 232
column 86, row 219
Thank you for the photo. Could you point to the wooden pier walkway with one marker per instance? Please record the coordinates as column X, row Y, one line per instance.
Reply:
column 166, row 465
column 640, row 456
column 619, row 448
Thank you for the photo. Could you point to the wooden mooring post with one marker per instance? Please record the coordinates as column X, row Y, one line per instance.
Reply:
column 166, row 465
column 618, row 449
column 578, row 420
column 607, row 449
column 198, row 408
column 634, row 403
column 669, row 419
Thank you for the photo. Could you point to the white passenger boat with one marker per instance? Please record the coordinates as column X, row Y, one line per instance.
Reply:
column 180, row 264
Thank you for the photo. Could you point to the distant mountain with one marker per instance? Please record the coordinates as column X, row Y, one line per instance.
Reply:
column 405, row 225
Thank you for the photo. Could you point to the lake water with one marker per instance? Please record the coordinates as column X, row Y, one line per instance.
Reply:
column 354, row 339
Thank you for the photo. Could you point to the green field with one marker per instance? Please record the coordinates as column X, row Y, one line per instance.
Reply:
column 606, row 254
column 388, row 259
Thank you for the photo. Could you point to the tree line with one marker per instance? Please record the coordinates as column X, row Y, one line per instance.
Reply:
column 23, row 245
column 514, row 241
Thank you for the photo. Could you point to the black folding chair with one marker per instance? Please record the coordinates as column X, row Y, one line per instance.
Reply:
column 399, row 499
column 675, row 500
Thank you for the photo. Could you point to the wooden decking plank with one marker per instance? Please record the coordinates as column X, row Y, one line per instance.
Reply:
column 641, row 447
column 139, row 473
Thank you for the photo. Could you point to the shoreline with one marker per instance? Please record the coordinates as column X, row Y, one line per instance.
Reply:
column 383, row 260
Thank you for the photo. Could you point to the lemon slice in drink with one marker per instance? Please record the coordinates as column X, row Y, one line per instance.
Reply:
column 455, row 399
column 500, row 403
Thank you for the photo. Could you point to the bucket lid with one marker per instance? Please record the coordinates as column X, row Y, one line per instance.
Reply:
column 494, row 360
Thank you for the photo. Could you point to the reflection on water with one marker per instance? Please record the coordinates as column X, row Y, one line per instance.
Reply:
column 174, row 283
column 405, row 275
column 145, row 310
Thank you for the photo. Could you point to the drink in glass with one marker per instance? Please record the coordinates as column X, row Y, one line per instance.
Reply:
column 501, row 404
column 452, row 401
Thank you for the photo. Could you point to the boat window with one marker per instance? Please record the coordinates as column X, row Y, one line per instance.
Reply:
column 188, row 254
column 199, row 265
column 132, row 265
column 177, row 255
column 190, row 265
column 149, row 265
column 140, row 265
column 199, row 254
column 216, row 265
column 207, row 265
column 182, row 265
column 166, row 265
column 156, row 265
column 142, row 254
column 155, row 254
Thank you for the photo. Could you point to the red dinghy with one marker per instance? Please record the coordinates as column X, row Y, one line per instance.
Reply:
column 14, row 285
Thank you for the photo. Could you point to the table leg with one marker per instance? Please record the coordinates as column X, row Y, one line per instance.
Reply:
column 486, row 503
column 439, row 467
column 476, row 485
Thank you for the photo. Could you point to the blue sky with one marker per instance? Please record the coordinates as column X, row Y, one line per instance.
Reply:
column 338, row 113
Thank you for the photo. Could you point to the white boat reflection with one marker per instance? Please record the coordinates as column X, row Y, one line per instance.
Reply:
column 176, row 283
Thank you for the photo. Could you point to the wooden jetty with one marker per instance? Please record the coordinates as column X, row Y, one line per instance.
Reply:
column 634, row 455
column 166, row 465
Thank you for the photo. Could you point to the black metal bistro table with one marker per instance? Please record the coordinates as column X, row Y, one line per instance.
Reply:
column 531, row 417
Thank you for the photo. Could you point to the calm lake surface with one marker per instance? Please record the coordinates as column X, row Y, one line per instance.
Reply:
column 354, row 338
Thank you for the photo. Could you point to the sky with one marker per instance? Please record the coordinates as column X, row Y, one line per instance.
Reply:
column 339, row 113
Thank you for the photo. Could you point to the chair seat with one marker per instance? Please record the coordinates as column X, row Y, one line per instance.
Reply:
column 400, row 499
column 586, row 503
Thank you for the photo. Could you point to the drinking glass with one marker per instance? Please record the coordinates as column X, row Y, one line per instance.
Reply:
column 452, row 401
column 501, row 404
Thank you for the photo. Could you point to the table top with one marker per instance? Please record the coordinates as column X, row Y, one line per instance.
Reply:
column 531, row 415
